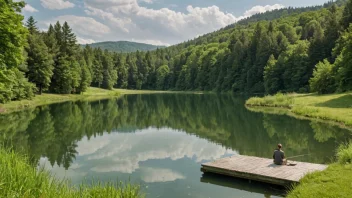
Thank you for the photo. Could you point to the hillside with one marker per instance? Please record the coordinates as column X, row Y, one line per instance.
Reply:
column 124, row 46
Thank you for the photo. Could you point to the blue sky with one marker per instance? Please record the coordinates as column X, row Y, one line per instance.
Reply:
column 162, row 22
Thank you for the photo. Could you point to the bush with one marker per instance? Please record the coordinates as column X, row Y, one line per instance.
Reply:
column 344, row 154
column 323, row 80
column 14, row 86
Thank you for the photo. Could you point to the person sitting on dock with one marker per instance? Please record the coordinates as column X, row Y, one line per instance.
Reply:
column 279, row 156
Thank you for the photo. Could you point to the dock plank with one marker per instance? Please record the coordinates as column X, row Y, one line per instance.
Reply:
column 261, row 169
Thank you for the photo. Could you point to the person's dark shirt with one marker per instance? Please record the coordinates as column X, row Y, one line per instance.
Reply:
column 278, row 156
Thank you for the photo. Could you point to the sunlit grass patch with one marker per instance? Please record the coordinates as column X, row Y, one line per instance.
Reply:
column 278, row 100
column 333, row 107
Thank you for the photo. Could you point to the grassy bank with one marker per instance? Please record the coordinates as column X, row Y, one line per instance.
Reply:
column 19, row 179
column 90, row 95
column 333, row 107
column 335, row 181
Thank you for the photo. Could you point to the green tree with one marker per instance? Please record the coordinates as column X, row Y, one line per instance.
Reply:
column 109, row 72
column 323, row 80
column 132, row 71
column 86, row 77
column 97, row 68
column 13, row 84
column 40, row 62
column 161, row 75
column 13, row 34
column 347, row 15
column 343, row 62
column 271, row 77
column 122, row 71
column 31, row 25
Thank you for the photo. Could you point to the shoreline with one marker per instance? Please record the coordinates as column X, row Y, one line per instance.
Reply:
column 92, row 94
column 333, row 108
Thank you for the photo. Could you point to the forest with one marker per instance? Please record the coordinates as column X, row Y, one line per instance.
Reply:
column 124, row 46
column 288, row 50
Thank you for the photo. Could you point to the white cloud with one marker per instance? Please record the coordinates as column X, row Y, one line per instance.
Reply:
column 84, row 27
column 29, row 8
column 57, row 4
column 153, row 175
column 128, row 19
column 262, row 9
column 147, row 1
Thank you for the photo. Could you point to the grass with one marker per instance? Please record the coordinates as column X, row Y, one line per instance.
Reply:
column 19, row 179
column 91, row 94
column 278, row 100
column 333, row 107
column 335, row 181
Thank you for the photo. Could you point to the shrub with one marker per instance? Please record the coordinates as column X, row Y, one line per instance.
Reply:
column 14, row 86
column 323, row 80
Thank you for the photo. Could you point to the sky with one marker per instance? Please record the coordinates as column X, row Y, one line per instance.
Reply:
column 158, row 22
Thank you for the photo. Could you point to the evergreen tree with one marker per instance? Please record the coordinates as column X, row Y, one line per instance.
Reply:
column 161, row 76
column 271, row 77
column 132, row 72
column 347, row 15
column 68, row 45
column 86, row 77
column 40, row 62
column 31, row 25
column 122, row 71
column 109, row 72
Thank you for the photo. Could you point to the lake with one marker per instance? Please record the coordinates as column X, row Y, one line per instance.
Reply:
column 160, row 140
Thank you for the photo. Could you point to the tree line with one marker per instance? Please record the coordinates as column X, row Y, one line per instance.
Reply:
column 299, row 51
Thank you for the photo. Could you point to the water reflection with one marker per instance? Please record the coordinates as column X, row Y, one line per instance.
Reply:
column 160, row 139
column 124, row 152
column 243, row 184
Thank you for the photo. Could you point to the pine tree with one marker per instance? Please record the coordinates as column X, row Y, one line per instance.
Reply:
column 58, row 33
column 132, row 72
column 271, row 77
column 122, row 71
column 347, row 15
column 109, row 73
column 86, row 77
column 68, row 45
column 51, row 42
column 31, row 25
column 97, row 68
column 40, row 62
column 331, row 33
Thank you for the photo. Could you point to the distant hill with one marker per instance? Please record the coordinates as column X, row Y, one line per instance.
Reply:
column 124, row 46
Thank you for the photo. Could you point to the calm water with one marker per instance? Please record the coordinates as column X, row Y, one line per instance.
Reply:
column 159, row 141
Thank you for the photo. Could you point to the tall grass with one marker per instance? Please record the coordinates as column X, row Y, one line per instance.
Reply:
column 19, row 179
column 344, row 154
column 335, row 181
column 278, row 100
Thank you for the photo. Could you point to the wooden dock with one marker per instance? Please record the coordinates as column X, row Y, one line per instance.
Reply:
column 261, row 169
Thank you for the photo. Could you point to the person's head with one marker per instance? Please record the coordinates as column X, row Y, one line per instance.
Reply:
column 279, row 146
